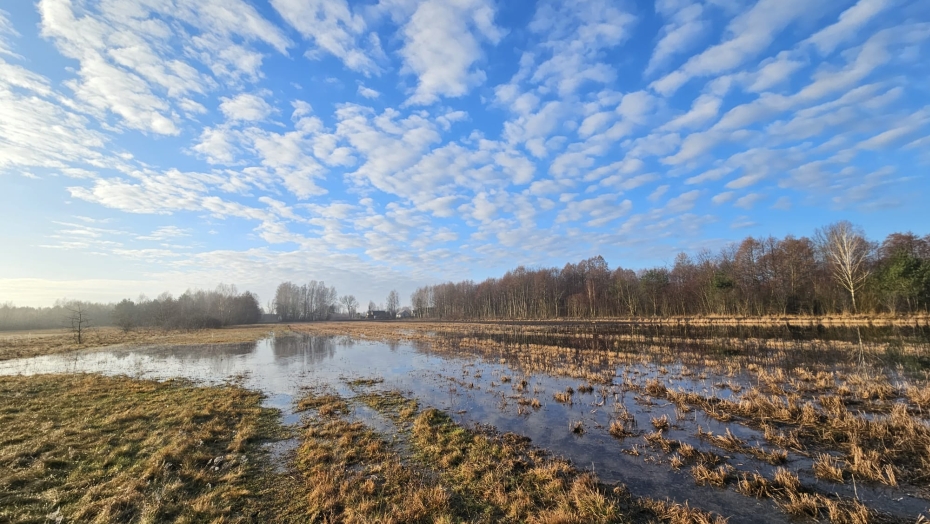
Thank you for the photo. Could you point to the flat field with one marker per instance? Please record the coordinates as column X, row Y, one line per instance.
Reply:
column 21, row 344
column 473, row 422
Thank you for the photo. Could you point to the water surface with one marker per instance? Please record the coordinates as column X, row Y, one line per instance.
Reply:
column 477, row 391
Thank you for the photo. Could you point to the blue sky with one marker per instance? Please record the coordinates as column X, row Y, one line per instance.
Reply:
column 151, row 145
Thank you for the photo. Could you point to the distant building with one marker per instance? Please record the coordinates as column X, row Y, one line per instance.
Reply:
column 379, row 315
column 404, row 313
column 268, row 318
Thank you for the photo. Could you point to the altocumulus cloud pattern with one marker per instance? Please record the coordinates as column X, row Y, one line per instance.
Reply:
column 149, row 145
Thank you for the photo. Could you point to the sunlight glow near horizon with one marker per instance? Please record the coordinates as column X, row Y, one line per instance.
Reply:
column 147, row 147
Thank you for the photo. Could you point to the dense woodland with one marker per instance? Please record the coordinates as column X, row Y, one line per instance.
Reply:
column 836, row 271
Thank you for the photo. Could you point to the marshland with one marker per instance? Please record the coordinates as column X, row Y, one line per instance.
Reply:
column 597, row 261
column 672, row 421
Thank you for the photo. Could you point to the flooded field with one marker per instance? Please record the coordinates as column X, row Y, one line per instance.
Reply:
column 757, row 424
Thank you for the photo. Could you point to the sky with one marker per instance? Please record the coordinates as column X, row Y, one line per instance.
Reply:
column 160, row 145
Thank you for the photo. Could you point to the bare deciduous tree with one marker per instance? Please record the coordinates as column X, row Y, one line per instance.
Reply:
column 78, row 319
column 847, row 252
column 393, row 302
column 350, row 304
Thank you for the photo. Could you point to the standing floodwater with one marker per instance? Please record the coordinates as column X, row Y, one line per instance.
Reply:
column 569, row 416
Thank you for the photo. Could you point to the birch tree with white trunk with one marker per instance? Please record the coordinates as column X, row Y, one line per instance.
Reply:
column 848, row 254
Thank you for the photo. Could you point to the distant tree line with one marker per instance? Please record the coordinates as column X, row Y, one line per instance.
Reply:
column 195, row 309
column 14, row 317
column 310, row 301
column 199, row 309
column 838, row 270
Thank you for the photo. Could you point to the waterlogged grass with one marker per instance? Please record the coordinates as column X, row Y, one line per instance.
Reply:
column 87, row 448
column 22, row 344
column 443, row 472
column 857, row 420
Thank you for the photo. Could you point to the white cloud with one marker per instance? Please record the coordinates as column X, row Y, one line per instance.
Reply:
column 37, row 131
column 685, row 25
column 599, row 211
column 703, row 109
column 721, row 198
column 217, row 145
column 367, row 92
column 683, row 202
column 575, row 35
column 227, row 19
column 287, row 155
column 774, row 71
column 659, row 192
column 533, row 129
column 860, row 63
column 906, row 126
column 747, row 180
column 850, row 22
column 464, row 174
column 166, row 233
column 596, row 123
column 654, row 145
column 130, row 66
column 748, row 34
column 297, row 158
column 6, row 31
column 245, row 107
column 743, row 222
column 441, row 47
column 783, row 203
column 637, row 107
column 748, row 201
column 335, row 29
column 161, row 193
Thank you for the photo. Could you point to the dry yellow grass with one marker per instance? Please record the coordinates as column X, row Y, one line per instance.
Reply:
column 442, row 472
column 20, row 344
column 88, row 448
column 827, row 467
column 349, row 474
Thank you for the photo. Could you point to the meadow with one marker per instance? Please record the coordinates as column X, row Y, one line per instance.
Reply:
column 688, row 421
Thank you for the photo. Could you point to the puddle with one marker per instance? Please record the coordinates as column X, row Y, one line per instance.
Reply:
column 478, row 392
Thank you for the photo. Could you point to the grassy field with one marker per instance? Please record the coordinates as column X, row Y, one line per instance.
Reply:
column 20, row 344
column 87, row 448
column 846, row 413
column 434, row 470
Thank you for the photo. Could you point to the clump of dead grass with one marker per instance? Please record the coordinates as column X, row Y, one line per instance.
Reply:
column 827, row 467
column 393, row 404
column 660, row 423
column 674, row 513
column 704, row 475
column 754, row 485
column 325, row 404
column 565, row 397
